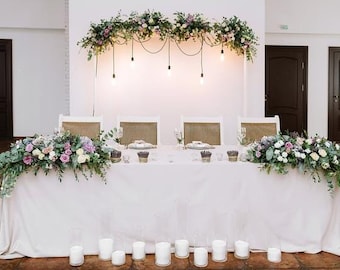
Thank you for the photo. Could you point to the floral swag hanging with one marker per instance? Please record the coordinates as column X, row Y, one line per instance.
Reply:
column 231, row 33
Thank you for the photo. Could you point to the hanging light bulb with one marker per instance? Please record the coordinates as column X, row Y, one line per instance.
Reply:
column 113, row 81
column 202, row 79
column 132, row 63
column 169, row 71
column 222, row 55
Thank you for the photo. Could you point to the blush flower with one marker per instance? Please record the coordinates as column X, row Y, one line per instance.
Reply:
column 64, row 158
column 29, row 147
column 27, row 160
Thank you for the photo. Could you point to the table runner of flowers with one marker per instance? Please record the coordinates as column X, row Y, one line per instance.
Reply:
column 232, row 33
column 58, row 153
column 316, row 155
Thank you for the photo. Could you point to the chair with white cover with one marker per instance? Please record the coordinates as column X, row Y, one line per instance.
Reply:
column 89, row 126
column 254, row 128
column 146, row 128
column 205, row 129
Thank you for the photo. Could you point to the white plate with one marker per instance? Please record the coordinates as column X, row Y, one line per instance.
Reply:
column 199, row 146
column 140, row 146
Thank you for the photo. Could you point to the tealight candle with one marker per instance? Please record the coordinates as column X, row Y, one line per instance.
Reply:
column 138, row 250
column 200, row 257
column 219, row 250
column 182, row 248
column 274, row 255
column 163, row 254
column 118, row 257
column 241, row 249
column 105, row 248
column 76, row 256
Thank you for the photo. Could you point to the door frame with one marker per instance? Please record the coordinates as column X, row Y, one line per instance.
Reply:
column 7, row 44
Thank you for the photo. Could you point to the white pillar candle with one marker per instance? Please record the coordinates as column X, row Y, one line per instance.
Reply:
column 138, row 250
column 163, row 253
column 105, row 248
column 182, row 248
column 118, row 257
column 76, row 255
column 200, row 257
column 274, row 255
column 219, row 250
column 241, row 249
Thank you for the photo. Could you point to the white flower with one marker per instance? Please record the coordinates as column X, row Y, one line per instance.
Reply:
column 297, row 154
column 325, row 165
column 336, row 162
column 309, row 141
column 284, row 154
column 144, row 25
column 300, row 140
column 337, row 146
column 36, row 152
column 335, row 158
column 314, row 156
column 80, row 151
column 327, row 144
column 307, row 151
column 303, row 155
column 318, row 140
column 280, row 158
column 41, row 156
column 285, row 160
column 277, row 152
column 277, row 145
column 81, row 159
column 52, row 154
column 322, row 152
column 150, row 20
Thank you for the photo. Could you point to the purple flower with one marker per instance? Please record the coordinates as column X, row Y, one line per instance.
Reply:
column 258, row 154
column 27, row 160
column 67, row 146
column 29, row 147
column 90, row 148
column 289, row 145
column 64, row 158
column 68, row 152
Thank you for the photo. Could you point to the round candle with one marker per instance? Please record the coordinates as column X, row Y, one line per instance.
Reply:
column 105, row 248
column 241, row 249
column 76, row 255
column 182, row 248
column 163, row 254
column 274, row 255
column 118, row 257
column 138, row 250
column 200, row 257
column 219, row 250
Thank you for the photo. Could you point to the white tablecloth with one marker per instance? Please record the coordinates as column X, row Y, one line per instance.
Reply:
column 172, row 196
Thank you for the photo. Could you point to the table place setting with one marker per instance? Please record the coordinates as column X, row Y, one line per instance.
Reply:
column 140, row 145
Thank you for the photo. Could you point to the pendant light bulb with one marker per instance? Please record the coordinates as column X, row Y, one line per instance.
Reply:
column 113, row 81
column 222, row 55
column 132, row 63
column 202, row 79
column 169, row 71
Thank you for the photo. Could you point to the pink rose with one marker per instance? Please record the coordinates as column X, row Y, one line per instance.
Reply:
column 27, row 160
column 64, row 158
column 29, row 147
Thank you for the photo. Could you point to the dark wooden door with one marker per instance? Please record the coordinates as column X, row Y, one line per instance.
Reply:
column 334, row 94
column 6, row 109
column 286, row 86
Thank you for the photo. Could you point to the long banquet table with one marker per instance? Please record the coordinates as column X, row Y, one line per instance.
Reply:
column 172, row 196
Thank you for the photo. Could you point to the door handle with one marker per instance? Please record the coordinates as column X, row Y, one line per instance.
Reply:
column 336, row 98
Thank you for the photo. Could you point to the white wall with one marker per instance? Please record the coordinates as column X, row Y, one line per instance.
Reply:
column 146, row 90
column 314, row 24
column 37, row 30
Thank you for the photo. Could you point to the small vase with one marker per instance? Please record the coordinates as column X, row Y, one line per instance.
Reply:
column 143, row 156
column 232, row 155
column 206, row 156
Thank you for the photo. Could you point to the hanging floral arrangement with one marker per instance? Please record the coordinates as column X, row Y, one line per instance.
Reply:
column 232, row 33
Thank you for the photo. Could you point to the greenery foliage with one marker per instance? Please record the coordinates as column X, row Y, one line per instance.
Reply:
column 232, row 33
column 315, row 155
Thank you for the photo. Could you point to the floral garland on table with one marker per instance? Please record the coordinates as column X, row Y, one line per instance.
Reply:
column 57, row 152
column 316, row 155
column 232, row 33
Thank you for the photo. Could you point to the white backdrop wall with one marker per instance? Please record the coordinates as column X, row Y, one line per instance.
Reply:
column 318, row 34
column 37, row 30
column 146, row 89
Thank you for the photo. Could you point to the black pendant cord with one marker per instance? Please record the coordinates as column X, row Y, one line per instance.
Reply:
column 113, row 62
column 169, row 59
column 202, row 74
column 132, row 55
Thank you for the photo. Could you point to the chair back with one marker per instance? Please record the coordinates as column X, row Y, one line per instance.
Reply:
column 205, row 129
column 89, row 126
column 139, row 128
column 255, row 128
